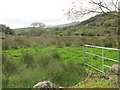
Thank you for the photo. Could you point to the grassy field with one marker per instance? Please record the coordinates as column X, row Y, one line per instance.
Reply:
column 24, row 67
column 32, row 55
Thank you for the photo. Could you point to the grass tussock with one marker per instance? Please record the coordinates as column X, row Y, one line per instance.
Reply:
column 28, row 70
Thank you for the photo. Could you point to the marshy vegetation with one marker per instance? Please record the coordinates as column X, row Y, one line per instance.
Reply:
column 26, row 67
column 55, row 54
column 28, row 60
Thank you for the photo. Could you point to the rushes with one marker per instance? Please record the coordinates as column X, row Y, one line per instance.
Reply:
column 66, row 74
column 58, row 41
column 28, row 60
column 30, row 69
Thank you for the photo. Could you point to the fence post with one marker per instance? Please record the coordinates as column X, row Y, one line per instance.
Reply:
column 84, row 55
column 102, row 59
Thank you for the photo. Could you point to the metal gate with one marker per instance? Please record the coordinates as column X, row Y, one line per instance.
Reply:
column 101, row 56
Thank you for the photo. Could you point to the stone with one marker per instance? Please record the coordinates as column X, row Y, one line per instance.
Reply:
column 115, row 69
column 44, row 84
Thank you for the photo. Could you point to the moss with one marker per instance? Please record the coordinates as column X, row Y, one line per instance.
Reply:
column 95, row 84
column 99, row 82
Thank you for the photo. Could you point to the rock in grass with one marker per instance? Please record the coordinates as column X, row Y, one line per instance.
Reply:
column 115, row 69
column 91, row 77
column 44, row 84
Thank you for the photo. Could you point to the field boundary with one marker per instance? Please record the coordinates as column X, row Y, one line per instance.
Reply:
column 102, row 56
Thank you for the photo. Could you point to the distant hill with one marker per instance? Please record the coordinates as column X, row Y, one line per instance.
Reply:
column 48, row 26
column 99, row 25
column 63, row 25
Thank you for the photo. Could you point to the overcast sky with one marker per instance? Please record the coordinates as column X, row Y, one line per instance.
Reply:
column 21, row 13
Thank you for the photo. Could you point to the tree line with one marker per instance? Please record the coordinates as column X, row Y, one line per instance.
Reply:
column 6, row 30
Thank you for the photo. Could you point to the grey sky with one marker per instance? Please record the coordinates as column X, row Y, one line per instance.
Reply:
column 21, row 13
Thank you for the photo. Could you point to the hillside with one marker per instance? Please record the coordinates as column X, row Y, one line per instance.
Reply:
column 48, row 26
column 99, row 25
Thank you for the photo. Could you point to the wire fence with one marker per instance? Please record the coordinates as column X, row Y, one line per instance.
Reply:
column 100, row 56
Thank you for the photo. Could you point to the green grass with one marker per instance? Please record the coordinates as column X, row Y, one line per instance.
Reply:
column 25, row 67
column 67, row 53
column 57, row 55
column 95, row 84
column 99, row 82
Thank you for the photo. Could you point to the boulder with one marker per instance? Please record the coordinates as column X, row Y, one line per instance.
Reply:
column 44, row 84
column 115, row 69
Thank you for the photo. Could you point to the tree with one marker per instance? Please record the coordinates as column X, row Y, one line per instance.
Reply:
column 38, row 25
column 5, row 29
column 81, row 8
column 38, row 29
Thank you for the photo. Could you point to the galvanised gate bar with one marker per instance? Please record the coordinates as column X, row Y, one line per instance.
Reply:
column 103, row 58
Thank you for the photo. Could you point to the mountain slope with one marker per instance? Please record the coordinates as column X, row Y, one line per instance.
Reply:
column 63, row 25
column 99, row 25
column 48, row 26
